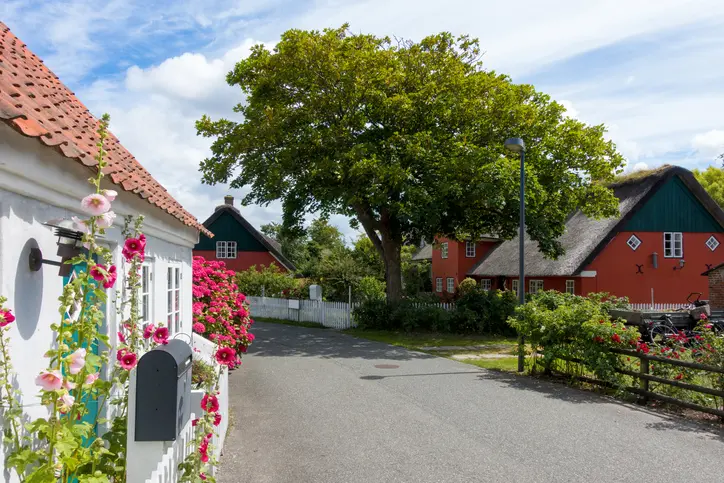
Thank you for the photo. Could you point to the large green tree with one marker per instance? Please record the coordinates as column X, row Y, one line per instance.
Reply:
column 712, row 179
column 406, row 139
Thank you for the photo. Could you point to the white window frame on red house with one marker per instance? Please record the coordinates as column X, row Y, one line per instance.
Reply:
column 670, row 251
column 486, row 284
column 443, row 250
column 712, row 243
column 571, row 287
column 470, row 249
column 226, row 249
column 450, row 285
column 535, row 286
column 514, row 286
column 438, row 284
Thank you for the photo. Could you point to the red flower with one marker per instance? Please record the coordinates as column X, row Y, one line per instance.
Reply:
column 199, row 328
column 121, row 353
column 210, row 403
column 195, row 422
column 129, row 361
column 148, row 331
column 6, row 318
column 160, row 335
column 225, row 355
column 616, row 338
column 679, row 376
column 217, row 419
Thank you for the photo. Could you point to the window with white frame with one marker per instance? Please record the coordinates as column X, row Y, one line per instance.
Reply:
column 535, row 285
column 173, row 297
column 514, row 286
column 438, row 284
column 443, row 250
column 225, row 249
column 571, row 286
column 450, row 285
column 145, row 295
column 673, row 245
column 712, row 243
column 486, row 284
column 470, row 249
column 633, row 242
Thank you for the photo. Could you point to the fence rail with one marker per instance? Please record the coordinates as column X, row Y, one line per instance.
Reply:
column 658, row 307
column 167, row 470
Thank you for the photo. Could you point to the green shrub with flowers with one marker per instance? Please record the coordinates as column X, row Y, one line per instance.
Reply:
column 561, row 326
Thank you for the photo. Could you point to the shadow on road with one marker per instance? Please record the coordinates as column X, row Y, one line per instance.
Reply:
column 278, row 340
column 558, row 390
column 378, row 377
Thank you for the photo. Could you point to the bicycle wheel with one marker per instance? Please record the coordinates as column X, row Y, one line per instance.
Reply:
column 661, row 334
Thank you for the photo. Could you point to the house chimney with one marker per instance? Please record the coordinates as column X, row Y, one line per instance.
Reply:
column 229, row 200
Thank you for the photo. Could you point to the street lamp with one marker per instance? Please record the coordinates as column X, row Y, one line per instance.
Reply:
column 517, row 145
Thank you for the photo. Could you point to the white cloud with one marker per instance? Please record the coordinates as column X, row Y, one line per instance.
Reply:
column 570, row 110
column 640, row 167
column 710, row 143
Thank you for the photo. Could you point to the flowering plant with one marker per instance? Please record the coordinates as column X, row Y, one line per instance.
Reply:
column 64, row 446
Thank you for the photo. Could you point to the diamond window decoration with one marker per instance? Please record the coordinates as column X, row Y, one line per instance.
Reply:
column 633, row 242
column 712, row 243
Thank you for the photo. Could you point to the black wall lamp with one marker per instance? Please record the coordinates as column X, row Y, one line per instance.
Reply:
column 681, row 264
column 69, row 246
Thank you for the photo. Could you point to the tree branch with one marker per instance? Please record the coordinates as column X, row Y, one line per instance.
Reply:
column 370, row 225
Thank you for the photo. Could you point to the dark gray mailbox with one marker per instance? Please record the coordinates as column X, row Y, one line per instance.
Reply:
column 163, row 391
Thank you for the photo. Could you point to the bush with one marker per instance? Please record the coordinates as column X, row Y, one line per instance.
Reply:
column 406, row 315
column 467, row 285
column 370, row 288
column 271, row 279
column 484, row 311
column 564, row 326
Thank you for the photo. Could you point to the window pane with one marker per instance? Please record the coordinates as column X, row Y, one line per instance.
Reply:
column 144, row 307
column 170, row 302
column 169, row 277
column 176, row 307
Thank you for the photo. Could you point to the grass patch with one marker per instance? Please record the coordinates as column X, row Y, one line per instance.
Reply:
column 308, row 325
column 415, row 340
column 509, row 364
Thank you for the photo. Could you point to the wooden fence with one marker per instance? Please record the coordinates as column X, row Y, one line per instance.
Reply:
column 644, row 377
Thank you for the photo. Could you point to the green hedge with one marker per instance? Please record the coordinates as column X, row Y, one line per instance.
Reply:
column 475, row 312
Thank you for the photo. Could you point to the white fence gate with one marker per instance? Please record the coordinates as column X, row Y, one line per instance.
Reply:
column 658, row 307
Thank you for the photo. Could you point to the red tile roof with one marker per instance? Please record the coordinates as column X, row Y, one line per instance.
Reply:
column 35, row 103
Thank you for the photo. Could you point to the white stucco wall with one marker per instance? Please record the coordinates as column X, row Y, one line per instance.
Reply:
column 36, row 185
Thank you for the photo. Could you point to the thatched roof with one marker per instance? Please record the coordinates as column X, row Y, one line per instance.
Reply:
column 584, row 237
column 424, row 253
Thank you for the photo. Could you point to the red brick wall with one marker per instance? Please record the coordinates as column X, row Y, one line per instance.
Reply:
column 616, row 268
column 716, row 289
column 243, row 260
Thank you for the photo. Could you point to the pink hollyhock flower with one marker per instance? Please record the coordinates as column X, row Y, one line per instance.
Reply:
column 68, row 400
column 160, row 336
column 210, row 403
column 91, row 378
column 202, row 476
column 204, row 458
column 199, row 328
column 129, row 361
column 98, row 272
column 110, row 195
column 142, row 239
column 49, row 380
column 121, row 337
column 195, row 422
column 106, row 220
column 80, row 225
column 69, row 385
column 112, row 276
column 6, row 317
column 148, row 331
column 225, row 355
column 77, row 361
column 217, row 419
column 121, row 353
column 95, row 204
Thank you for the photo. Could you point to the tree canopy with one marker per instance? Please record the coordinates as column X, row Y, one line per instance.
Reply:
column 406, row 139
column 712, row 179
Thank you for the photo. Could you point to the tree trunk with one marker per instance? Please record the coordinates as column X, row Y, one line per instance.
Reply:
column 393, row 269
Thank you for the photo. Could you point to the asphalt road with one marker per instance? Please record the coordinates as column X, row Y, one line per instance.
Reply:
column 310, row 406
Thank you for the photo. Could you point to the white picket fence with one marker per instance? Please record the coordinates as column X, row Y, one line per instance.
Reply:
column 336, row 315
column 658, row 307
column 167, row 470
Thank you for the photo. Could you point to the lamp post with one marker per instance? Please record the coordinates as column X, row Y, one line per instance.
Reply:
column 517, row 145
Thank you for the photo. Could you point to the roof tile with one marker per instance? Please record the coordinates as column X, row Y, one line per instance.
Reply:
column 34, row 102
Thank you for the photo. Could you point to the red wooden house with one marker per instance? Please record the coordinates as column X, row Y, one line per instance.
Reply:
column 237, row 242
column 668, row 232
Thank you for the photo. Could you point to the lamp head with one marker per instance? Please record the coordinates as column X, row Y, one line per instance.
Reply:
column 515, row 144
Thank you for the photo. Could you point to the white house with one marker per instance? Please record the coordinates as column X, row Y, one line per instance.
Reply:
column 47, row 148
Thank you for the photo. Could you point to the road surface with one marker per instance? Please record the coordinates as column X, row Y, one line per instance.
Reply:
column 318, row 406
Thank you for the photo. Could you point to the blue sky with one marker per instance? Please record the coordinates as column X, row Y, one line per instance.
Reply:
column 651, row 71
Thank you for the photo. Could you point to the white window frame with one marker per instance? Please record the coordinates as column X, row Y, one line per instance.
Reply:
column 173, row 298
column 514, row 286
column 535, row 286
column 145, row 295
column 486, row 284
column 714, row 245
column 226, row 249
column 469, row 249
column 671, row 252
column 450, row 285
column 444, row 250
column 438, row 284
column 637, row 242
column 571, row 287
